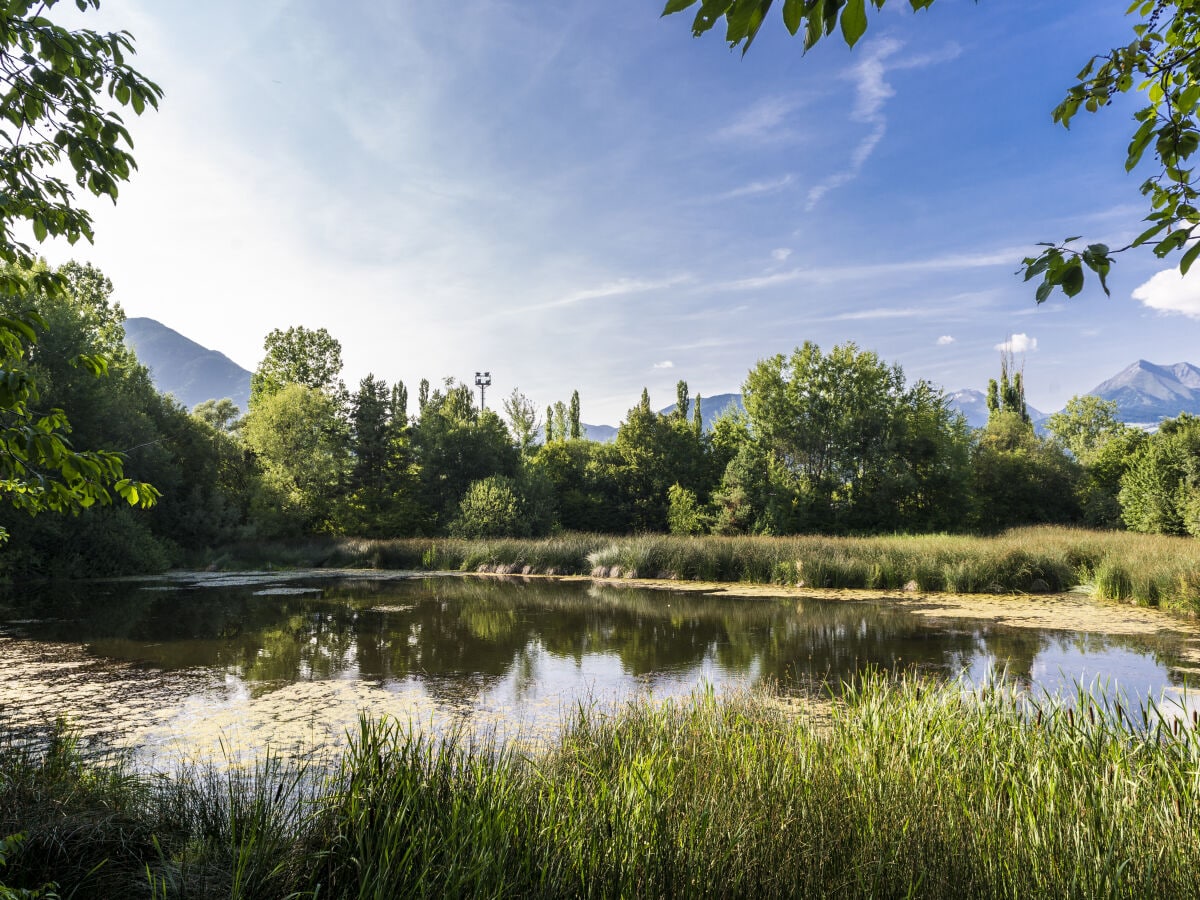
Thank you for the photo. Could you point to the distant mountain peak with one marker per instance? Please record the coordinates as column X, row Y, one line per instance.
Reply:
column 1146, row 392
column 180, row 366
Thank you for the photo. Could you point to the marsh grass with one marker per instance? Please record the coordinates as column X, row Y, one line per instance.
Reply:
column 906, row 786
column 1151, row 570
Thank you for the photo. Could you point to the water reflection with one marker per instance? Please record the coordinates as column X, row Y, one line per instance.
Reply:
column 468, row 647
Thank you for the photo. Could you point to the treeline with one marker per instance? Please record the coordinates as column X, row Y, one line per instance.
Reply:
column 830, row 442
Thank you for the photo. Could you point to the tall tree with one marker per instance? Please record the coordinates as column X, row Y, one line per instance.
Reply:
column 573, row 415
column 399, row 408
column 296, row 436
column 309, row 358
column 522, row 420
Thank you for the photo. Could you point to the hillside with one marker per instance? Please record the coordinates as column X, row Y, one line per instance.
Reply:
column 182, row 367
column 1145, row 392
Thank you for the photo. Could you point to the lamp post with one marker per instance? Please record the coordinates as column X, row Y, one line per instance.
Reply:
column 483, row 381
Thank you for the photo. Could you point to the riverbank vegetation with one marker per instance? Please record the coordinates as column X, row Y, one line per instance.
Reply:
column 901, row 786
column 837, row 444
column 1149, row 570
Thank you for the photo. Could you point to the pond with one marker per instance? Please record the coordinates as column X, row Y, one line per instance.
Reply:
column 217, row 666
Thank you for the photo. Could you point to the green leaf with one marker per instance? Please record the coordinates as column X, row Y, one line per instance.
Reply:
column 793, row 15
column 674, row 6
column 1189, row 258
column 854, row 21
column 1072, row 279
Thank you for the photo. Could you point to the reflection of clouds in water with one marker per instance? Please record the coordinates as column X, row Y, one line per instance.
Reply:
column 210, row 670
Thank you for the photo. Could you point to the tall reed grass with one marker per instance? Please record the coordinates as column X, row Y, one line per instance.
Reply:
column 1151, row 570
column 906, row 787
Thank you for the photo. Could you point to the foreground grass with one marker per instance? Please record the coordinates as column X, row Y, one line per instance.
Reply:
column 908, row 787
column 1152, row 570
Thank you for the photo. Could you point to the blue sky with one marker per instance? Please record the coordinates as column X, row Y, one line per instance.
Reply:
column 581, row 195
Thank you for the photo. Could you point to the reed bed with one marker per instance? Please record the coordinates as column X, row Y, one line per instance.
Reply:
column 1151, row 570
column 903, row 787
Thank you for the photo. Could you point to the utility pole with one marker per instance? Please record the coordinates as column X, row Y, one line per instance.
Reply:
column 483, row 380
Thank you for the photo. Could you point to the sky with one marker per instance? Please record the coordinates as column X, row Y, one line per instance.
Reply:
column 579, row 195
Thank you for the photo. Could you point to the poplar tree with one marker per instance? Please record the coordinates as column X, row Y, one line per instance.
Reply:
column 576, row 428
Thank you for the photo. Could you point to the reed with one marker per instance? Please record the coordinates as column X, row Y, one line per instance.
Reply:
column 903, row 786
column 1151, row 570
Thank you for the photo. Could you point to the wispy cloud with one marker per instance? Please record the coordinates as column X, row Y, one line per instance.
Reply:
column 780, row 254
column 755, row 188
column 1017, row 343
column 835, row 274
column 665, row 364
column 884, row 312
column 619, row 288
column 1169, row 292
column 761, row 121
column 872, row 91
column 945, row 340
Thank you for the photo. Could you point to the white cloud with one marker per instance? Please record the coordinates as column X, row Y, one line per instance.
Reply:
column 779, row 254
column 1017, row 343
column 872, row 93
column 755, row 188
column 665, row 364
column 1170, row 292
column 761, row 121
column 945, row 340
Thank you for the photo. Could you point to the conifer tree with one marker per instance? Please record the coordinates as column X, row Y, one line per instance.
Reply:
column 549, row 424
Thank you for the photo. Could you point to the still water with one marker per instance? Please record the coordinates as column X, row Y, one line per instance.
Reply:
column 218, row 665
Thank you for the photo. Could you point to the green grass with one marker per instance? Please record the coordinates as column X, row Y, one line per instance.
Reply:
column 1150, row 570
column 904, row 787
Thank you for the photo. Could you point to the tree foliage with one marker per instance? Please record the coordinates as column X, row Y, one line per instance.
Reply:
column 57, row 87
column 310, row 358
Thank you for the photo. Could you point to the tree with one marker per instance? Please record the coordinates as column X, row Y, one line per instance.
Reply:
column 219, row 415
column 573, row 417
column 522, row 420
column 1085, row 425
column 1019, row 479
column 295, row 434
column 1009, row 394
column 1161, row 61
column 858, row 448
column 1160, row 490
column 53, row 82
column 312, row 359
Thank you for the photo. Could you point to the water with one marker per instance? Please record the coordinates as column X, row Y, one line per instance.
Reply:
column 217, row 666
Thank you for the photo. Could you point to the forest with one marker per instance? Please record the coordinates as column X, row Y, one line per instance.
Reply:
column 831, row 442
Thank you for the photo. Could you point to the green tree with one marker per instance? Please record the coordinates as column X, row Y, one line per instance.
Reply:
column 295, row 434
column 310, row 358
column 1161, row 61
column 454, row 444
column 1160, row 490
column 1085, row 425
column 490, row 508
column 685, row 513
column 860, row 450
column 1019, row 479
column 522, row 420
column 220, row 415
column 200, row 474
column 55, row 84
column 573, row 417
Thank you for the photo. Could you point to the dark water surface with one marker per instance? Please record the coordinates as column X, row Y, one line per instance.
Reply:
column 202, row 663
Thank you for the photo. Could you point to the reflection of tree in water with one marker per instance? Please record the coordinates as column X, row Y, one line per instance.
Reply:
column 460, row 635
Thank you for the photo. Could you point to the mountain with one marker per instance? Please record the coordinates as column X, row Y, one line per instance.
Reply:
column 973, row 405
column 600, row 433
column 1145, row 392
column 182, row 367
column 711, row 408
